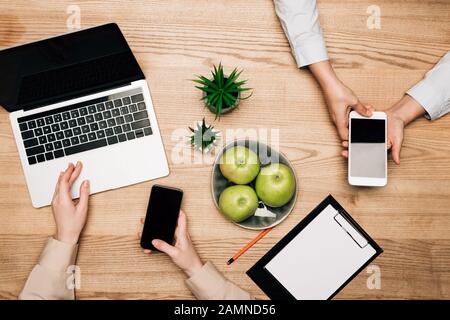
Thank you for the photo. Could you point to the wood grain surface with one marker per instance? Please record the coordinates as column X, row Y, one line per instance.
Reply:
column 173, row 40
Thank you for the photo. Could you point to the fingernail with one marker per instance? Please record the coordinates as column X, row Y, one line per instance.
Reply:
column 86, row 184
column 155, row 242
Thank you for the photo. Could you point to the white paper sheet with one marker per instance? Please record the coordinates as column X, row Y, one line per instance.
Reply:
column 319, row 259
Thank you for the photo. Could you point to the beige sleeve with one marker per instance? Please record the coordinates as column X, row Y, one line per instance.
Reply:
column 210, row 284
column 49, row 278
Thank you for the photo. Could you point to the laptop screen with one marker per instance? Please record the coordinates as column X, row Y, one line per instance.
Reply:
column 65, row 67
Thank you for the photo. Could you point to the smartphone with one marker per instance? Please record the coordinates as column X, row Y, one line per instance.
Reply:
column 162, row 215
column 367, row 152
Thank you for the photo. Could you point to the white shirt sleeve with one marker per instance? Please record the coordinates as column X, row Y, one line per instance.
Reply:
column 433, row 92
column 300, row 22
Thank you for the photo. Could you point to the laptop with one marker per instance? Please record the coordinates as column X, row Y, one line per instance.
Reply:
column 81, row 97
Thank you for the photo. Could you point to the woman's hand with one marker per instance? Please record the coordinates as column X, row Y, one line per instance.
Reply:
column 183, row 252
column 70, row 215
column 395, row 134
column 339, row 98
column 399, row 116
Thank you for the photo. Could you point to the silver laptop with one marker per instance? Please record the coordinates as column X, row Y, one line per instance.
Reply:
column 81, row 97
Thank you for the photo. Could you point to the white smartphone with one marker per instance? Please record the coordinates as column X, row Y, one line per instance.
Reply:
column 367, row 152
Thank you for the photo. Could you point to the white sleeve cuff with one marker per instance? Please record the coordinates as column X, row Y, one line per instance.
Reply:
column 312, row 51
column 433, row 92
column 430, row 99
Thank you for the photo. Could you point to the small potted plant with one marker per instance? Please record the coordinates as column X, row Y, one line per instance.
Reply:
column 222, row 93
column 203, row 137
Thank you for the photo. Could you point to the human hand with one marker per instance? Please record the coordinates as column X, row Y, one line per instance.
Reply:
column 339, row 98
column 399, row 115
column 395, row 134
column 70, row 215
column 340, row 101
column 183, row 252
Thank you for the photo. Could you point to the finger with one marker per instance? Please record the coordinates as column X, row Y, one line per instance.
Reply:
column 389, row 144
column 64, row 182
column 147, row 251
column 57, row 184
column 345, row 144
column 182, row 223
column 369, row 107
column 342, row 129
column 83, row 202
column 68, row 172
column 344, row 153
column 396, row 147
column 142, row 220
column 341, row 122
column 76, row 173
column 362, row 109
column 164, row 247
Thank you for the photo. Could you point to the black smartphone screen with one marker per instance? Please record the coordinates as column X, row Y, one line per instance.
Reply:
column 368, row 131
column 162, row 215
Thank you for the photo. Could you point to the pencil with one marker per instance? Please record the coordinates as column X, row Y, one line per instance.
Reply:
column 249, row 245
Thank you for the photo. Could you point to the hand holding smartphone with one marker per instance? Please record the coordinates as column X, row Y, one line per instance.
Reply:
column 162, row 215
column 367, row 152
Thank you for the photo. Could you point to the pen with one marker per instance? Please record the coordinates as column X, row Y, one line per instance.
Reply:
column 249, row 245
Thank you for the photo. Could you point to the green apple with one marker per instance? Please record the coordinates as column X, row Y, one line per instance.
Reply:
column 275, row 185
column 238, row 202
column 239, row 165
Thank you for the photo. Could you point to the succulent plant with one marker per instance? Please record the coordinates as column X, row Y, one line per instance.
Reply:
column 222, row 93
column 203, row 136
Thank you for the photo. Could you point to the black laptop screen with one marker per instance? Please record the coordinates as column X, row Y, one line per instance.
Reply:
column 64, row 67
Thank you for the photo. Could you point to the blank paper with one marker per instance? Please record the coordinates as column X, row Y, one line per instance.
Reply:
column 321, row 258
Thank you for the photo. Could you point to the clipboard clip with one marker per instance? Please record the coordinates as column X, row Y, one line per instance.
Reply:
column 350, row 229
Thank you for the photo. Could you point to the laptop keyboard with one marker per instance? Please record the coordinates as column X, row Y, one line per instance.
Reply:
column 85, row 126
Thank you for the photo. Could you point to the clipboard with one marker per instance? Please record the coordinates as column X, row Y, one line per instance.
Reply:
column 317, row 258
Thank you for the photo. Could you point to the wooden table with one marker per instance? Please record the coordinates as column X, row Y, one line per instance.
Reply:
column 173, row 40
